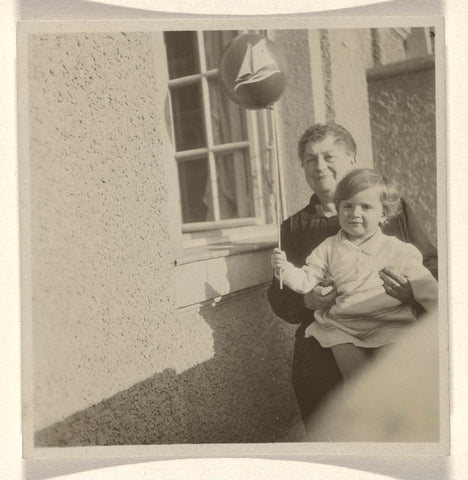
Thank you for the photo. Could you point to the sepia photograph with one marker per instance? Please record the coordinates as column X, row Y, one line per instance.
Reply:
column 233, row 237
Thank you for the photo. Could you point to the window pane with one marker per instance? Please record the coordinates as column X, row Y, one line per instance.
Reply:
column 227, row 118
column 187, row 110
column 195, row 191
column 182, row 53
column 215, row 43
column 234, row 185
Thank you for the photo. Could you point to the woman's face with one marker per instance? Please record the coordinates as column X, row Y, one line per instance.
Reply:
column 325, row 163
column 361, row 214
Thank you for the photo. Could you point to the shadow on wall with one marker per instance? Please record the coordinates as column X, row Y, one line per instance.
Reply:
column 242, row 394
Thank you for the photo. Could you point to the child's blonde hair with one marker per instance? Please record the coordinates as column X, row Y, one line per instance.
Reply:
column 363, row 178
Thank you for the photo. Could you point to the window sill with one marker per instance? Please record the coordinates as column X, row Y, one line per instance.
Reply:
column 226, row 242
column 237, row 260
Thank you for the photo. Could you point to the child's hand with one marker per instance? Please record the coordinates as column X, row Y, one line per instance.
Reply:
column 278, row 259
column 321, row 290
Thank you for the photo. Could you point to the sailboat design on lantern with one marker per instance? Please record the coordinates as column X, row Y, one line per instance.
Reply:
column 256, row 65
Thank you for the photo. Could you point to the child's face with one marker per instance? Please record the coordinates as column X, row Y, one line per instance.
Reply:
column 361, row 214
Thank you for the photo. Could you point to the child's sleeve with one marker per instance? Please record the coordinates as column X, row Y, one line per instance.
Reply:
column 303, row 280
column 423, row 284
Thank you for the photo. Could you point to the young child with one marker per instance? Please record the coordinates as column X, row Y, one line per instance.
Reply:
column 364, row 317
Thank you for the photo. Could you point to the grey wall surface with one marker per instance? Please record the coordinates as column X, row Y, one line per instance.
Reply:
column 402, row 112
column 100, row 216
column 242, row 393
column 115, row 359
column 295, row 113
column 350, row 55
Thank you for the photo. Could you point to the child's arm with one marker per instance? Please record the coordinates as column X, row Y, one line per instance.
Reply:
column 301, row 280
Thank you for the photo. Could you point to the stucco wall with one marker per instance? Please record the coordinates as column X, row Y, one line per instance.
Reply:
column 295, row 113
column 402, row 106
column 390, row 46
column 240, row 394
column 349, row 52
column 114, row 360
column 100, row 217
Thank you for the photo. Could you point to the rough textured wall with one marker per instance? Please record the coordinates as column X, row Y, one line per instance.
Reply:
column 114, row 361
column 390, row 46
column 347, row 78
column 100, row 217
column 295, row 113
column 242, row 394
column 364, row 42
column 404, row 138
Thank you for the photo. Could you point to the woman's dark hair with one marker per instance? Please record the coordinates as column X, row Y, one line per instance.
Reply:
column 319, row 131
column 361, row 179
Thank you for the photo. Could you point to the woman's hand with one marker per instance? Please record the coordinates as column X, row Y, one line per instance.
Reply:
column 396, row 285
column 318, row 298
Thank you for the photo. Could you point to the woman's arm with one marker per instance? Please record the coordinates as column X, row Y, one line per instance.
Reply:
column 419, row 238
column 287, row 304
column 395, row 284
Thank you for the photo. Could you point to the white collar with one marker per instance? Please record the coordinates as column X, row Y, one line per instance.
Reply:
column 370, row 246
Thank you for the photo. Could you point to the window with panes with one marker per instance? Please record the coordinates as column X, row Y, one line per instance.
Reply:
column 223, row 152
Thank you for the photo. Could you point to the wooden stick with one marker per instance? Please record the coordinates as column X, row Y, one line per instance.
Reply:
column 278, row 186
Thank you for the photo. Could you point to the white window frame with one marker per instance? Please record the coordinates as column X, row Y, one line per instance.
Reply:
column 258, row 145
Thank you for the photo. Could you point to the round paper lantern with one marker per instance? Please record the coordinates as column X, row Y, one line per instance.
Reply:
column 252, row 71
